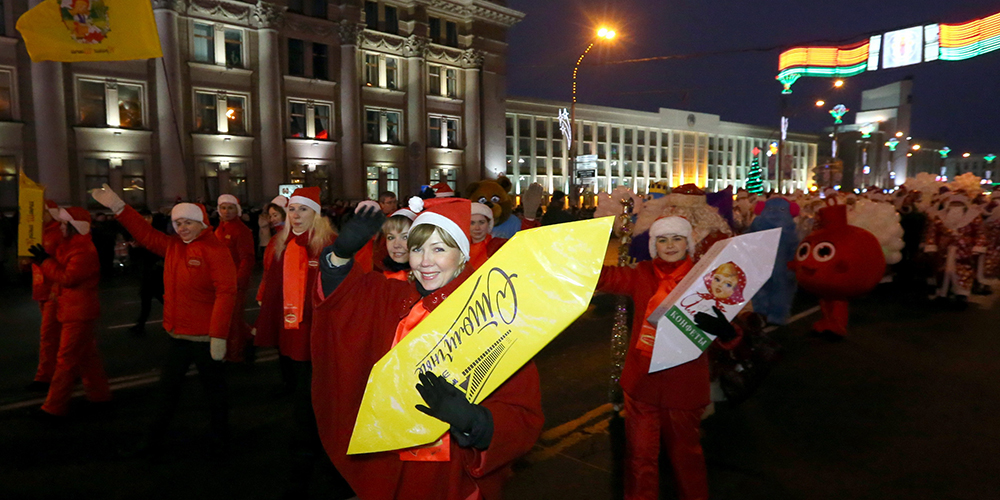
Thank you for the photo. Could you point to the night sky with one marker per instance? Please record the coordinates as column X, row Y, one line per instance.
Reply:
column 955, row 102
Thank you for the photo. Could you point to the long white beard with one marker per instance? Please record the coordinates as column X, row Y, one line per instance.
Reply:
column 954, row 218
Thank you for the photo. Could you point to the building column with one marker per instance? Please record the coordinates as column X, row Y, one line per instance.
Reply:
column 416, row 116
column 474, row 170
column 269, row 100
column 351, row 118
column 170, row 107
column 50, row 127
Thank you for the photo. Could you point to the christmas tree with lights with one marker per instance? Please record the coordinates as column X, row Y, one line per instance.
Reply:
column 755, row 185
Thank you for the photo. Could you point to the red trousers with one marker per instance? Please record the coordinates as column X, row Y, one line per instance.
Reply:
column 239, row 330
column 648, row 426
column 48, row 349
column 78, row 356
column 835, row 316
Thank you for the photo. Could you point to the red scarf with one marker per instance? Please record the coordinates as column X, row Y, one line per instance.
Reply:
column 669, row 274
column 296, row 269
column 478, row 253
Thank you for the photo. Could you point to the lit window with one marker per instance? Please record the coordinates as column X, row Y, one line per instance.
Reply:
column 308, row 119
column 134, row 182
column 217, row 44
column 8, row 181
column 6, row 92
column 235, row 115
column 434, row 79
column 96, row 173
column 219, row 112
column 443, row 132
column 391, row 72
column 451, row 82
column 380, row 179
column 381, row 71
column 109, row 104
column 206, row 116
column 382, row 126
column 442, row 81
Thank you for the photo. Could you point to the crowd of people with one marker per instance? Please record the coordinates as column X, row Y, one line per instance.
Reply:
column 342, row 286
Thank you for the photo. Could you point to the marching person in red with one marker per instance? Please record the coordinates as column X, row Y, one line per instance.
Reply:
column 285, row 319
column 360, row 316
column 236, row 236
column 43, row 293
column 665, row 406
column 74, row 271
column 396, row 264
column 272, row 223
column 484, row 245
column 199, row 289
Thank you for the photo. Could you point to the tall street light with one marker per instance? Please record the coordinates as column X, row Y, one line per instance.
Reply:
column 604, row 34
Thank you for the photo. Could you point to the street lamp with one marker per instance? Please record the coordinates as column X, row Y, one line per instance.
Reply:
column 838, row 83
column 838, row 113
column 604, row 34
column 820, row 103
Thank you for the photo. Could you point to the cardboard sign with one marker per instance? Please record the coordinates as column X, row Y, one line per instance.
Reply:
column 727, row 276
column 31, row 204
column 513, row 305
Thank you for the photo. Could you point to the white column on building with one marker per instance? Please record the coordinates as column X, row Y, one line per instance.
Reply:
column 51, row 131
column 272, row 152
column 351, row 119
column 169, row 104
column 415, row 174
column 474, row 170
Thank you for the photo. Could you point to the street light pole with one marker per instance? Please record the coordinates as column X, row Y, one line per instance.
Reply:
column 602, row 34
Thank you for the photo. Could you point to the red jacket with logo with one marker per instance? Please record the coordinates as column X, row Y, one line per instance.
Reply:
column 236, row 236
column 41, row 288
column 75, row 271
column 199, row 278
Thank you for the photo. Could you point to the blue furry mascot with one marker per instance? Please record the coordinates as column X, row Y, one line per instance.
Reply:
column 774, row 299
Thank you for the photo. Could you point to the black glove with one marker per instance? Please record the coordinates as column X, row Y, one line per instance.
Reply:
column 471, row 425
column 716, row 325
column 358, row 231
column 38, row 254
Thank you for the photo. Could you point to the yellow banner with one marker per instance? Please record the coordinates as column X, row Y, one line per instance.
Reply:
column 494, row 323
column 90, row 30
column 31, row 203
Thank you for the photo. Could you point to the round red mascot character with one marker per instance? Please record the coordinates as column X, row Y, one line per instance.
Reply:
column 837, row 262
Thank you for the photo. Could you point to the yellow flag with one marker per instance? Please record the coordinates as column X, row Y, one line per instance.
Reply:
column 487, row 329
column 90, row 30
column 30, row 201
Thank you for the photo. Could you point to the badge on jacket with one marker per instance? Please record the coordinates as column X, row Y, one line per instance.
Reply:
column 194, row 262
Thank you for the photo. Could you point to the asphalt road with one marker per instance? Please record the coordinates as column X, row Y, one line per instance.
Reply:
column 905, row 408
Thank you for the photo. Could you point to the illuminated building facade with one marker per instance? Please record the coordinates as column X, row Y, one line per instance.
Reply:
column 635, row 148
column 353, row 96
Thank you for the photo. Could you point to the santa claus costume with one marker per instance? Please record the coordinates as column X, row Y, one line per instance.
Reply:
column 44, row 293
column 665, row 407
column 74, row 272
column 955, row 238
column 484, row 244
column 360, row 316
column 236, row 236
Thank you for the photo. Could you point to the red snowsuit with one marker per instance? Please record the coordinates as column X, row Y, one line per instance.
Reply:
column 665, row 406
column 75, row 272
column 236, row 236
column 42, row 292
column 199, row 279
column 271, row 330
column 354, row 327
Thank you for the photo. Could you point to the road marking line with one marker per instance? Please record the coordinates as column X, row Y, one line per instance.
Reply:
column 120, row 383
column 155, row 321
column 793, row 319
column 568, row 427
column 546, row 453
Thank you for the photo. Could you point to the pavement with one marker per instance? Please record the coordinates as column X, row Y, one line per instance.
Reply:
column 906, row 407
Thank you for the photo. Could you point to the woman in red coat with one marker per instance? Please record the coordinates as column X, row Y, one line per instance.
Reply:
column 199, row 289
column 396, row 263
column 236, row 236
column 74, row 272
column 360, row 316
column 43, row 293
column 484, row 244
column 663, row 407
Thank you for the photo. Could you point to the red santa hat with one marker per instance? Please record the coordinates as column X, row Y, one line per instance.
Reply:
column 442, row 190
column 280, row 200
column 367, row 203
column 53, row 209
column 228, row 198
column 189, row 211
column 405, row 212
column 78, row 217
column 480, row 209
column 306, row 196
column 452, row 215
column 670, row 225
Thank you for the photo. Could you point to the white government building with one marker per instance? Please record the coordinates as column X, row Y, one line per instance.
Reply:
column 353, row 96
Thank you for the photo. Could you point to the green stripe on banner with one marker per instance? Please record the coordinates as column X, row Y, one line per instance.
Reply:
column 688, row 328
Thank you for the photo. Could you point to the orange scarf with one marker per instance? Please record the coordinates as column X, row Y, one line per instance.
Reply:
column 478, row 254
column 440, row 450
column 668, row 281
column 296, row 269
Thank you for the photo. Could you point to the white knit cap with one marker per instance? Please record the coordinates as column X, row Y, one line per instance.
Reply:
column 667, row 226
column 188, row 211
column 481, row 209
column 228, row 198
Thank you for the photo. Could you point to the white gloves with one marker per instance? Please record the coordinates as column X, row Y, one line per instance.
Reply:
column 531, row 200
column 253, row 331
column 105, row 196
column 218, row 348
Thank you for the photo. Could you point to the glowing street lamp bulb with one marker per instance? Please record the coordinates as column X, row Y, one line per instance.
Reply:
column 820, row 103
column 899, row 134
column 230, row 113
column 916, row 147
column 603, row 32
column 838, row 83
column 611, row 34
column 966, row 155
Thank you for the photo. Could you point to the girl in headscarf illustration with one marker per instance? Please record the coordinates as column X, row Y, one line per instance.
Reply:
column 723, row 286
column 86, row 20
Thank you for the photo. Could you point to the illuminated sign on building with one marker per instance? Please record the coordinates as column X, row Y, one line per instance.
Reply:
column 905, row 47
